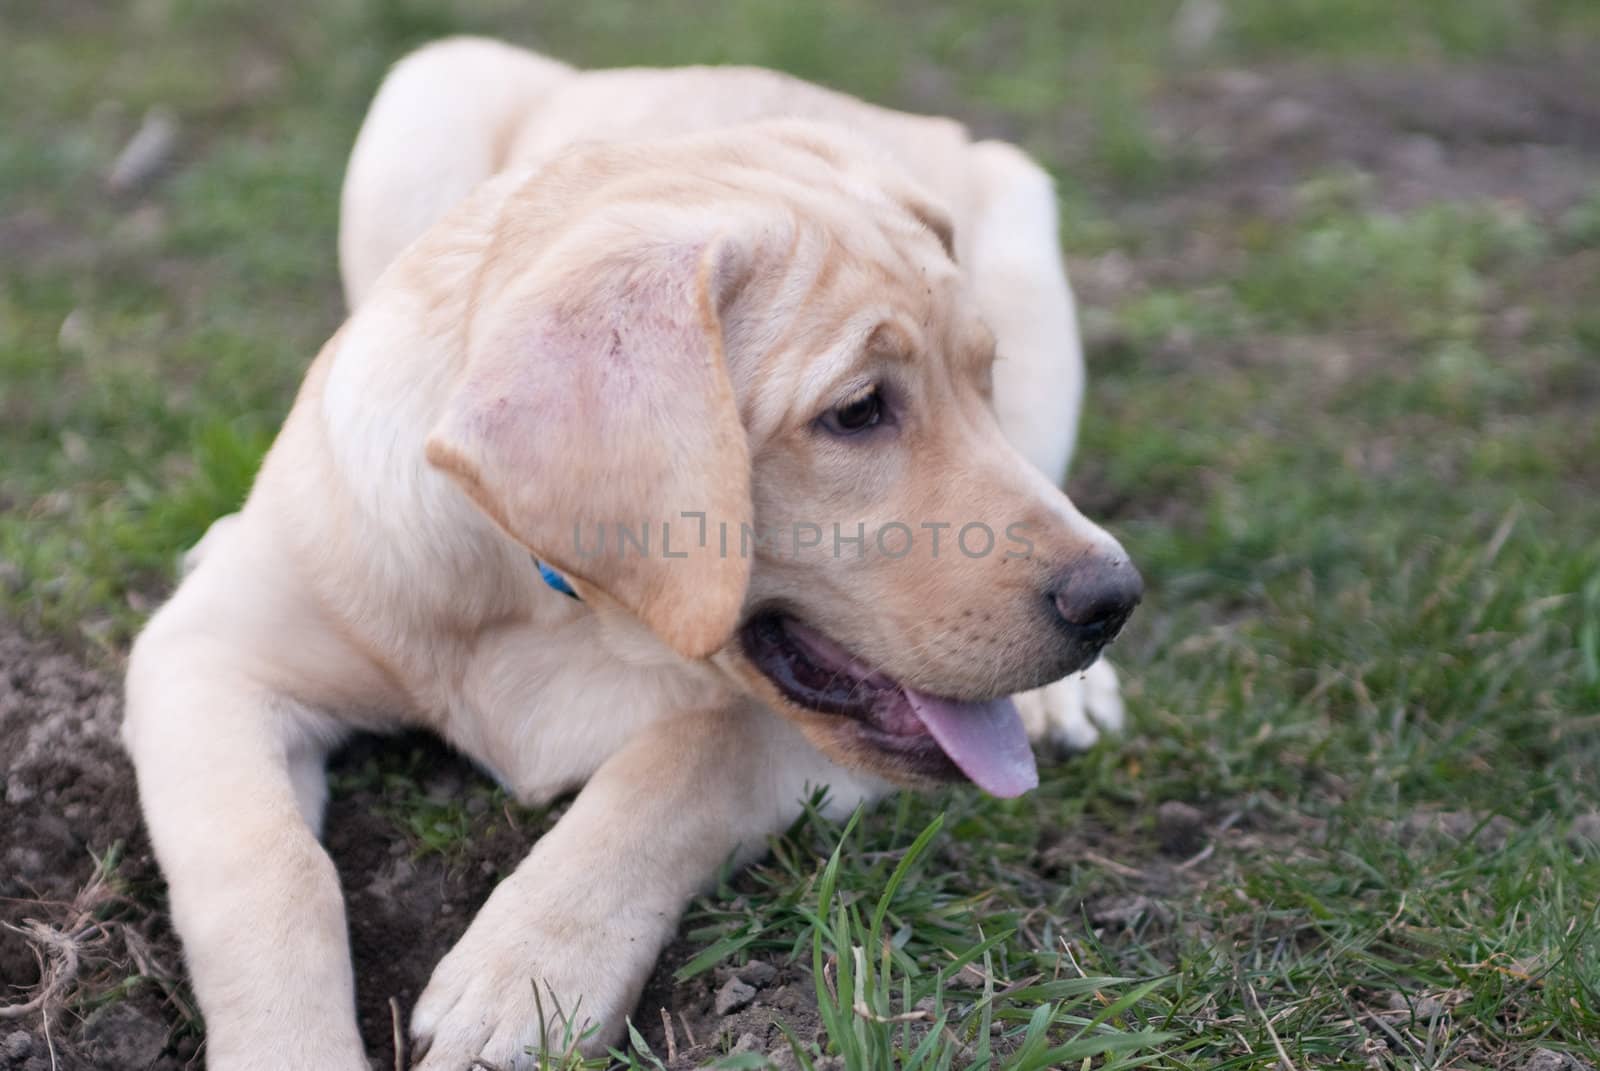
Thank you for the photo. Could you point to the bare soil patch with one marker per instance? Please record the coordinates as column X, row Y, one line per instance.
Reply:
column 72, row 932
column 70, row 800
column 1517, row 133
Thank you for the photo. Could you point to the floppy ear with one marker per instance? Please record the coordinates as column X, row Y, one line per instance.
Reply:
column 595, row 401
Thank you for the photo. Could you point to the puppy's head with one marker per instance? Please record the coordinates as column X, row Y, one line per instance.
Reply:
column 736, row 388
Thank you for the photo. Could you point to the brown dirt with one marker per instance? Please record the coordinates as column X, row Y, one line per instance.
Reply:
column 1519, row 134
column 69, row 799
column 1241, row 143
column 753, row 997
column 406, row 910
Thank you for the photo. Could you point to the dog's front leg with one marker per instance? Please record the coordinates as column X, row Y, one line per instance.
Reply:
column 584, row 917
column 231, row 781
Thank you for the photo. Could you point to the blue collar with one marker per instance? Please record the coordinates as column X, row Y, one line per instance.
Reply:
column 555, row 580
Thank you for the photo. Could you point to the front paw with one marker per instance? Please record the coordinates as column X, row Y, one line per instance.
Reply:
column 1069, row 715
column 513, row 987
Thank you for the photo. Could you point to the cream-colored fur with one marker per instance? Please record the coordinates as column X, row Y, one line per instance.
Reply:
column 598, row 298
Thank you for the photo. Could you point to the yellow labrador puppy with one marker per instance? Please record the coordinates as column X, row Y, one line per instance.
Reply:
column 695, row 441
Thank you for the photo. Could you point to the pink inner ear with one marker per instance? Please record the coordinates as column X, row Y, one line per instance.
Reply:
column 606, row 341
column 607, row 405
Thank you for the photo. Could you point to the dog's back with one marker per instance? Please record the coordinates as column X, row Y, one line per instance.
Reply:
column 416, row 157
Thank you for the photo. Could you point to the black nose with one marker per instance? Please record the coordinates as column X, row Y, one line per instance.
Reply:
column 1095, row 597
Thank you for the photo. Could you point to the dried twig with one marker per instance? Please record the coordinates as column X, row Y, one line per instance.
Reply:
column 913, row 1016
column 1120, row 869
column 1196, row 859
column 62, row 946
column 1066, row 947
column 672, row 1037
column 399, row 1035
column 1283, row 1054
column 55, row 974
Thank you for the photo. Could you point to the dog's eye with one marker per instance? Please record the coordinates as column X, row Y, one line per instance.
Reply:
column 856, row 415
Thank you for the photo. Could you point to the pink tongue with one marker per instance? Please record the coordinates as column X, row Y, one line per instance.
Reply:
column 986, row 740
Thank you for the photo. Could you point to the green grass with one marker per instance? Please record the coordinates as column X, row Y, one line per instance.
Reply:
column 1366, row 508
column 899, row 980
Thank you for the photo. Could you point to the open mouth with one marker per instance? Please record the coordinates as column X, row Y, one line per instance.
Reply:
column 939, row 737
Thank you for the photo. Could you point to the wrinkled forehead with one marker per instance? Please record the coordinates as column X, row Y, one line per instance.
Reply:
column 853, row 263
column 895, row 288
column 854, row 304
